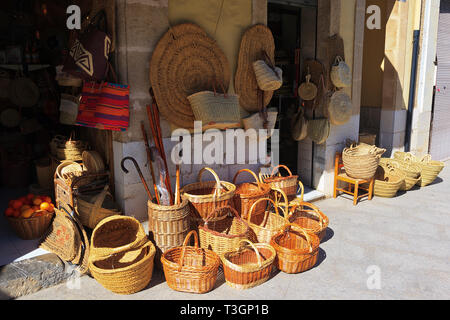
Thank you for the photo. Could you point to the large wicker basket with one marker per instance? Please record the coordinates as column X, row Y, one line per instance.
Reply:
column 248, row 266
column 288, row 184
column 247, row 194
column 205, row 197
column 190, row 269
column 309, row 218
column 388, row 182
column 121, row 258
column 361, row 162
column 264, row 227
column 297, row 250
column 223, row 235
column 31, row 228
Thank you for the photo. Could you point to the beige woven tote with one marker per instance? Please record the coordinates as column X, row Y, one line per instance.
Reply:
column 319, row 130
column 341, row 75
column 300, row 127
column 256, row 121
column 269, row 78
column 339, row 108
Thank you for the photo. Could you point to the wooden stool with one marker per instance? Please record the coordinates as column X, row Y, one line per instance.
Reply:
column 340, row 175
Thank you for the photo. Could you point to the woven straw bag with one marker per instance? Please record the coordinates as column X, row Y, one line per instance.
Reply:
column 190, row 269
column 430, row 170
column 33, row 227
column 309, row 218
column 319, row 130
column 267, row 225
column 300, row 126
column 121, row 258
column 413, row 173
column 71, row 150
column 288, row 184
column 169, row 225
column 223, row 235
column 256, row 121
column 341, row 75
column 388, row 182
column 268, row 77
column 339, row 108
column 361, row 162
column 205, row 197
column 247, row 194
column 308, row 90
column 91, row 210
column 93, row 162
column 297, row 250
column 248, row 266
column 68, row 109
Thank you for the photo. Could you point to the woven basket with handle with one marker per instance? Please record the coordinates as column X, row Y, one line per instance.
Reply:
column 249, row 265
column 413, row 173
column 297, row 250
column 430, row 168
column 361, row 162
column 388, row 181
column 121, row 258
column 288, row 184
column 268, row 77
column 223, row 235
column 247, row 194
column 309, row 218
column 33, row 227
column 190, row 269
column 340, row 74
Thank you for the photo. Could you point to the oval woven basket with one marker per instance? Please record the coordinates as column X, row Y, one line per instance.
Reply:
column 430, row 168
column 169, row 225
column 308, row 90
column 288, row 184
column 309, row 218
column 264, row 227
column 300, row 126
column 190, row 269
column 223, row 235
column 388, row 182
column 339, row 108
column 268, row 77
column 121, row 258
column 297, row 250
column 340, row 74
column 205, row 197
column 413, row 173
column 247, row 194
column 248, row 266
column 361, row 162
column 31, row 228
column 319, row 130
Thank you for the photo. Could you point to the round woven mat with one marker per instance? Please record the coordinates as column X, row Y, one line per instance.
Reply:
column 255, row 40
column 186, row 61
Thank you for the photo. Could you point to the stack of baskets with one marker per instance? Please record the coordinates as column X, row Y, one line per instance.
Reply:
column 388, row 181
column 361, row 162
column 71, row 150
column 430, row 169
column 413, row 173
column 121, row 257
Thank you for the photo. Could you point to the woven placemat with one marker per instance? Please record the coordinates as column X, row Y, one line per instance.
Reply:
column 255, row 40
column 186, row 61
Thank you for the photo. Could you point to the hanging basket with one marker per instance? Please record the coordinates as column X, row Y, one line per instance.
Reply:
column 204, row 197
column 268, row 77
column 297, row 250
column 309, row 218
column 341, row 75
column 339, row 108
column 248, row 266
column 190, row 269
column 308, row 90
column 121, row 258
column 265, row 226
column 361, row 162
column 287, row 184
column 300, row 126
column 319, row 130
column 223, row 235
column 256, row 121
column 247, row 194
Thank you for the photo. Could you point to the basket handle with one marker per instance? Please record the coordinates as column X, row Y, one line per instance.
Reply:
column 183, row 251
column 258, row 255
column 281, row 166
column 249, row 171
column 211, row 215
column 338, row 60
column 98, row 203
column 285, row 198
column 218, row 186
column 302, row 188
column 288, row 227
column 214, row 83
column 314, row 210
column 426, row 158
column 266, row 214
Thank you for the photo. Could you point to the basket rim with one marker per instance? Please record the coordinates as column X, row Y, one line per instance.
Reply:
column 231, row 188
column 315, row 242
column 32, row 218
column 224, row 258
column 155, row 206
column 204, row 269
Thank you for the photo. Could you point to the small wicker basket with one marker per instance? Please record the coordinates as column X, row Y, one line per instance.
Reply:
column 309, row 218
column 288, row 184
column 31, row 228
column 361, row 162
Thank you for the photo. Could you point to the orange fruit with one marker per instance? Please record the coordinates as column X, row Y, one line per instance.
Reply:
column 45, row 206
column 40, row 213
column 16, row 213
column 37, row 201
column 30, row 196
column 27, row 213
column 35, row 208
column 9, row 212
column 51, row 209
column 16, row 204
column 47, row 199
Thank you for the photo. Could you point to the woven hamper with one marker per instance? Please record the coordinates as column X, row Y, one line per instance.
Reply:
column 388, row 182
column 31, row 228
column 361, row 162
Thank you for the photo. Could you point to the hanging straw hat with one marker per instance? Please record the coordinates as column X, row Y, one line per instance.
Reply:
column 339, row 108
column 23, row 92
column 308, row 90
column 255, row 41
column 185, row 61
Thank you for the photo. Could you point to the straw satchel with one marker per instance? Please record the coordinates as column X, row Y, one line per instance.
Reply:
column 269, row 77
column 341, row 75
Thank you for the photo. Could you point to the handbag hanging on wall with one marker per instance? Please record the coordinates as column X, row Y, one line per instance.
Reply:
column 89, row 53
column 104, row 105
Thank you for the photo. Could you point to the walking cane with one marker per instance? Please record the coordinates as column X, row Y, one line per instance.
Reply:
column 122, row 164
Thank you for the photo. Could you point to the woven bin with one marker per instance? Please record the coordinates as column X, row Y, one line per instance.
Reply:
column 121, row 258
column 361, row 162
column 265, row 226
column 309, row 217
column 297, row 250
column 93, row 211
column 247, row 194
column 223, row 235
column 205, row 197
column 388, row 182
column 287, row 184
column 31, row 228
column 248, row 266
column 169, row 225
column 190, row 269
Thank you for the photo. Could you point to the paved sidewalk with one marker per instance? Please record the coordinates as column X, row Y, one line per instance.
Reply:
column 407, row 239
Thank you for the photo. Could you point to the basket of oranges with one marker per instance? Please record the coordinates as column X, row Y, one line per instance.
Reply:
column 30, row 216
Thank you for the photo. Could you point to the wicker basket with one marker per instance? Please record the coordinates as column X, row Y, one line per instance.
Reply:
column 247, row 194
column 190, row 269
column 121, row 258
column 71, row 150
column 309, row 217
column 31, row 228
column 430, row 170
column 169, row 225
column 223, row 235
column 205, row 197
column 68, row 170
column 388, row 182
column 268, row 77
column 249, row 266
column 287, row 184
column 413, row 173
column 93, row 211
column 265, row 226
column 340, row 74
column 361, row 162
column 297, row 250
